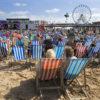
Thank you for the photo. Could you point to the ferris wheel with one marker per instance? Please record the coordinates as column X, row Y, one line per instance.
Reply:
column 81, row 14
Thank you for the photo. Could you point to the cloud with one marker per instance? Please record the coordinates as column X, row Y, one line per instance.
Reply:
column 19, row 14
column 51, row 18
column 95, row 14
column 20, row 4
column 55, row 10
column 17, row 4
column 95, row 10
column 2, row 13
column 28, row 14
column 95, row 17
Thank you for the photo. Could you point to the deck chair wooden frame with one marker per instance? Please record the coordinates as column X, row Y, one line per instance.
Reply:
column 75, row 67
column 47, row 69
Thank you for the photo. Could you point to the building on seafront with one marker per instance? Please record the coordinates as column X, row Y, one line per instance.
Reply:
column 27, row 24
column 16, row 23
column 21, row 24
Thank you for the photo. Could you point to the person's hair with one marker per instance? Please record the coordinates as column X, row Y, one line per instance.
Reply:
column 93, row 44
column 59, row 39
column 48, row 44
column 69, row 52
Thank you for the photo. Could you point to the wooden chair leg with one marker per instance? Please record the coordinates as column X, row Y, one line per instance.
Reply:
column 37, row 85
column 85, row 78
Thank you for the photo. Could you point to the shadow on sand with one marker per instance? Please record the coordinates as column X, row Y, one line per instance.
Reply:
column 16, row 66
column 27, row 91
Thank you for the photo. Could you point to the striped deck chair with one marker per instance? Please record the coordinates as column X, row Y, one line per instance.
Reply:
column 88, row 41
column 59, row 51
column 18, row 53
column 47, row 72
column 80, row 50
column 90, row 52
column 62, row 43
column 75, row 67
column 94, row 49
column 3, row 50
column 19, row 57
column 4, row 45
column 35, row 42
column 37, row 52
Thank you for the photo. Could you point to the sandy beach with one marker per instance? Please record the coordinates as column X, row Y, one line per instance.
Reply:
column 18, row 83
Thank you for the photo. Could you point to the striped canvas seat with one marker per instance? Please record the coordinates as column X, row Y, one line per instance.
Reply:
column 59, row 51
column 74, row 68
column 97, row 47
column 4, row 45
column 62, row 43
column 18, row 53
column 35, row 42
column 47, row 74
column 49, row 68
column 80, row 50
column 90, row 52
column 3, row 49
column 37, row 52
column 88, row 43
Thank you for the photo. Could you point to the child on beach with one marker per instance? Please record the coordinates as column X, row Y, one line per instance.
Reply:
column 68, row 55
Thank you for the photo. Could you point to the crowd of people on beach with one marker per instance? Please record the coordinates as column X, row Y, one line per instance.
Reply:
column 76, row 44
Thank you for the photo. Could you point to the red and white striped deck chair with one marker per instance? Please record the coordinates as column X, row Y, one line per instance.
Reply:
column 47, row 72
column 80, row 50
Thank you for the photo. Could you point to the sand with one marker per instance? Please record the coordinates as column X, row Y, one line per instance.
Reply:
column 18, row 83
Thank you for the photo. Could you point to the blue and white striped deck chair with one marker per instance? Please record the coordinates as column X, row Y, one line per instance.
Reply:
column 3, row 49
column 90, row 52
column 37, row 52
column 4, row 45
column 35, row 42
column 18, row 53
column 74, row 68
column 59, row 50
column 62, row 43
column 97, row 47
column 93, row 51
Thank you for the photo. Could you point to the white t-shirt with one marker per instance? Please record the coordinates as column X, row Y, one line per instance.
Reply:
column 73, row 57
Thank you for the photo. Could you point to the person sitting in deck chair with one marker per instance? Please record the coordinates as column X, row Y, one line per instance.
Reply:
column 69, row 53
column 50, row 53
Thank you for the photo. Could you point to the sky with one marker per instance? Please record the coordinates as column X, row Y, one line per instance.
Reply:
column 50, row 10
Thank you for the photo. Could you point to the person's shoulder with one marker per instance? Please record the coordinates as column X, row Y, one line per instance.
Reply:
column 73, row 57
column 50, row 50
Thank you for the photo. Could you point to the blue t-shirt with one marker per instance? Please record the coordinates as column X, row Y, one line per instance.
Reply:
column 19, row 43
